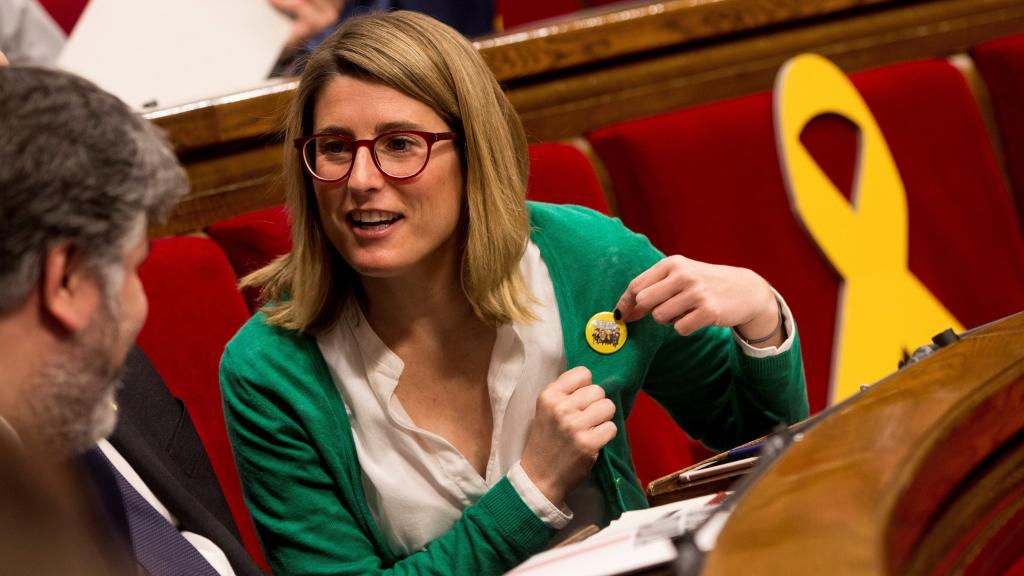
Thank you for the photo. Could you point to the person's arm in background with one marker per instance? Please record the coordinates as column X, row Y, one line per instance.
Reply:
column 312, row 21
column 309, row 17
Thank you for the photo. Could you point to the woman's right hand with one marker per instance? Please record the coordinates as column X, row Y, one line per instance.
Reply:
column 571, row 425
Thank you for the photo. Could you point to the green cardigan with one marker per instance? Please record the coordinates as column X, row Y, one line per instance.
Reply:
column 293, row 441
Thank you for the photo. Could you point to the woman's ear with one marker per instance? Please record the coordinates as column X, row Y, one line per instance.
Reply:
column 70, row 292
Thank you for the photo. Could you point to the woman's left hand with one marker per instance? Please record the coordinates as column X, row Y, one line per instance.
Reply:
column 690, row 295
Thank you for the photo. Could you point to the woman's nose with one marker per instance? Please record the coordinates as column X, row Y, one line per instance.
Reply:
column 365, row 176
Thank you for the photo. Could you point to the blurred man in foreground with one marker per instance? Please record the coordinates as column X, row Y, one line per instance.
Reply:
column 81, row 177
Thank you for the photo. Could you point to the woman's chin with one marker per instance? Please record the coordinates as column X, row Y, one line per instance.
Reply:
column 376, row 268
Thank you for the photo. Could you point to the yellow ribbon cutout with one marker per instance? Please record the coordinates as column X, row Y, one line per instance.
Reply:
column 883, row 310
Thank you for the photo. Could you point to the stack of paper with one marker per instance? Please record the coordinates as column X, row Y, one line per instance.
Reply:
column 638, row 539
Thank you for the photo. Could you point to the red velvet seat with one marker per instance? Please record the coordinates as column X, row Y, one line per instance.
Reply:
column 561, row 174
column 705, row 182
column 516, row 12
column 194, row 309
column 252, row 240
column 1001, row 63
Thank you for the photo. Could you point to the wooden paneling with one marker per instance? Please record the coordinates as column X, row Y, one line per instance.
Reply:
column 585, row 38
column 861, row 492
column 252, row 115
column 224, row 186
column 232, row 150
column 600, row 67
column 733, row 66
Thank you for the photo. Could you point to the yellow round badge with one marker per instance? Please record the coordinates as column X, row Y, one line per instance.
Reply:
column 604, row 333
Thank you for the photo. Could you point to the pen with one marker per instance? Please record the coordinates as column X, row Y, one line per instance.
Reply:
column 730, row 456
column 722, row 469
column 743, row 452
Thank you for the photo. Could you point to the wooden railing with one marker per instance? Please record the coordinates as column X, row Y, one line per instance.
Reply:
column 596, row 68
column 921, row 474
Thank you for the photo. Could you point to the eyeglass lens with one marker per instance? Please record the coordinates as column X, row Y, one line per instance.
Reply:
column 398, row 155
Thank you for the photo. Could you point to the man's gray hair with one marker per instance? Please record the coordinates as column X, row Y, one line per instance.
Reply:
column 76, row 165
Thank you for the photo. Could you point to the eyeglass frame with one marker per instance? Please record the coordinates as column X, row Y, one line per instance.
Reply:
column 431, row 138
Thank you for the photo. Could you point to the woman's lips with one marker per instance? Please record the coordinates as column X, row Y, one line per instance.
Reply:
column 373, row 223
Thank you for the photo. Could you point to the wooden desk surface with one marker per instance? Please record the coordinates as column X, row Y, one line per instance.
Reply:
column 888, row 484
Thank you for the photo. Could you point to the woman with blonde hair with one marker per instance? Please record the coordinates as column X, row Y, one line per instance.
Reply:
column 418, row 393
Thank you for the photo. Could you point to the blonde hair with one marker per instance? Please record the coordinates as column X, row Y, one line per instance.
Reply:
column 306, row 289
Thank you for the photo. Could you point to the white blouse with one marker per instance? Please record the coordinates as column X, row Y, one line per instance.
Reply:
column 416, row 483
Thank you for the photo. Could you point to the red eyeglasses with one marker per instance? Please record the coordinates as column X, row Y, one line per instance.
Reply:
column 400, row 155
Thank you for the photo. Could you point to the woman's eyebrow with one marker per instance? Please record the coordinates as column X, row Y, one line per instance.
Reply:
column 397, row 125
column 334, row 129
column 378, row 129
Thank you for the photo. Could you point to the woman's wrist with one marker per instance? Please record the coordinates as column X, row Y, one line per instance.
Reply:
column 555, row 514
column 767, row 327
column 549, row 490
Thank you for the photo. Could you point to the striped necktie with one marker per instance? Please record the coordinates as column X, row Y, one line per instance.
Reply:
column 159, row 547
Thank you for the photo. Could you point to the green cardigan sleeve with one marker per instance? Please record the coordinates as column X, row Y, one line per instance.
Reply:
column 712, row 389
column 720, row 395
column 302, row 483
column 715, row 391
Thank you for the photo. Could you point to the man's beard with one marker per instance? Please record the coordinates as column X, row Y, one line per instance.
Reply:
column 72, row 405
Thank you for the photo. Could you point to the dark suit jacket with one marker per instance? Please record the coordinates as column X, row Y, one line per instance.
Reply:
column 156, row 436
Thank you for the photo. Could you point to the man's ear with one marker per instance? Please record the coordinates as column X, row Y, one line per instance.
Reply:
column 70, row 291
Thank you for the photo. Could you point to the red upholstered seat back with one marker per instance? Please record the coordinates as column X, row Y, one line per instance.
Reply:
column 516, row 12
column 705, row 182
column 194, row 309
column 965, row 244
column 1001, row 63
column 252, row 240
column 561, row 174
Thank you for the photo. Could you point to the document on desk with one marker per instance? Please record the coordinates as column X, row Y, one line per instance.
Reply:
column 638, row 539
column 156, row 54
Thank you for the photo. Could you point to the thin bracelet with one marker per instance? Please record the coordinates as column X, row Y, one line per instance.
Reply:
column 778, row 326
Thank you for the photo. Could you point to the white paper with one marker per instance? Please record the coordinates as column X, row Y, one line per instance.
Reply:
column 175, row 51
column 625, row 545
column 604, row 558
